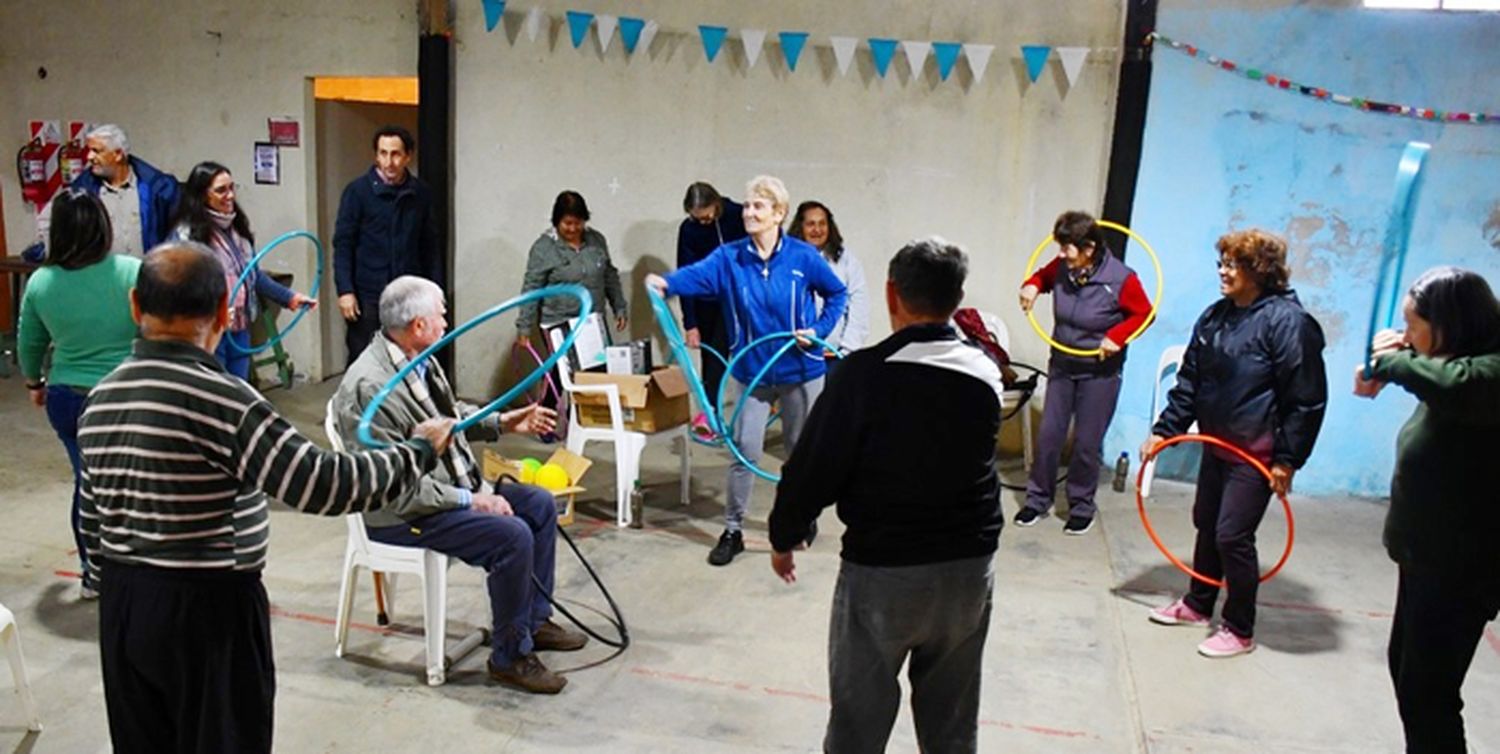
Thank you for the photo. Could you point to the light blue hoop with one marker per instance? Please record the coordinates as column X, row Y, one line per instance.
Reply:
column 1393, row 250
column 585, row 307
column 245, row 275
column 715, row 411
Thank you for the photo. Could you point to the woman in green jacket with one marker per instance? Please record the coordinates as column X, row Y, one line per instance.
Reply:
column 78, row 306
column 1443, row 525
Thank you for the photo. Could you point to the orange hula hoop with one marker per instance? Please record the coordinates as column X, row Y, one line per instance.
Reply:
column 1140, row 504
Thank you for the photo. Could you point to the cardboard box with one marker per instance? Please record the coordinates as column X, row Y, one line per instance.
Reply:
column 649, row 402
column 494, row 465
column 629, row 358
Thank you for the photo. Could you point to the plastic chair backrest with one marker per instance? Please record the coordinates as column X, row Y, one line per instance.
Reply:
column 1171, row 358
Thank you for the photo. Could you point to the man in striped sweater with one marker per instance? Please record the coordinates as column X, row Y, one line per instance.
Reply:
column 179, row 458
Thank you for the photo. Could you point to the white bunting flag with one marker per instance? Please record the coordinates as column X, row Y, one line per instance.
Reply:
column 648, row 33
column 606, row 29
column 533, row 23
column 843, row 52
column 979, row 59
column 916, row 55
column 1072, row 61
column 754, row 41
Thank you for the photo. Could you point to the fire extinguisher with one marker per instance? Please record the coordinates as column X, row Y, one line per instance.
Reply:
column 31, row 164
column 73, row 160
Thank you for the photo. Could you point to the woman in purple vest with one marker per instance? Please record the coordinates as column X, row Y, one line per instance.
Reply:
column 1097, row 302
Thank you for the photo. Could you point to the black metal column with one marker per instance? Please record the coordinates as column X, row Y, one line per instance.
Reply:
column 1130, row 118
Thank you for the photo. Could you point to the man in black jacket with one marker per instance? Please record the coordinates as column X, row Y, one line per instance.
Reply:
column 903, row 441
column 386, row 228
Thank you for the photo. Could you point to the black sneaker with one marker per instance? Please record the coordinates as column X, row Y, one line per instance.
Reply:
column 1028, row 517
column 1078, row 525
column 731, row 543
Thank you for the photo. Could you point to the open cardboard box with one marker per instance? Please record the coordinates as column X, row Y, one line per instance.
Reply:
column 576, row 465
column 648, row 402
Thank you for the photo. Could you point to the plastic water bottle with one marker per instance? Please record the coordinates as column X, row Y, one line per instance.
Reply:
column 1122, row 470
column 637, row 506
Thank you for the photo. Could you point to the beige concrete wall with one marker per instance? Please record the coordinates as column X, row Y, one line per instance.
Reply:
column 987, row 164
column 191, row 81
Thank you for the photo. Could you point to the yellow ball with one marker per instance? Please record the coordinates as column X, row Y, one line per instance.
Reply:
column 551, row 477
column 528, row 470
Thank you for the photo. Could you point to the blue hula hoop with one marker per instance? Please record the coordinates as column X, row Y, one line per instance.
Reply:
column 585, row 306
column 677, row 344
column 1393, row 250
column 244, row 276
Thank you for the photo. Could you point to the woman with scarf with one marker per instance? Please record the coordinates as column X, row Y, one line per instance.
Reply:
column 209, row 214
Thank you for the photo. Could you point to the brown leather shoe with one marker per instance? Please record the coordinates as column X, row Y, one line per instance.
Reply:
column 528, row 674
column 554, row 638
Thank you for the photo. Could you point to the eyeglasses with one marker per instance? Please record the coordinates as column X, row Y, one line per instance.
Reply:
column 225, row 190
column 1228, row 265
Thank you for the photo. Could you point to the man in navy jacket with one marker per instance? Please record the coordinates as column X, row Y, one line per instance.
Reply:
column 386, row 228
column 903, row 442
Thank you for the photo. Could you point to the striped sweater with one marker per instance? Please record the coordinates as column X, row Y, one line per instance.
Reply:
column 179, row 458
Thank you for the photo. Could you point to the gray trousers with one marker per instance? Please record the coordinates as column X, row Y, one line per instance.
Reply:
column 1088, row 402
column 937, row 615
column 750, row 435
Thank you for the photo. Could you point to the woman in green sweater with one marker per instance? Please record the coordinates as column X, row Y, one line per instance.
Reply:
column 1443, row 526
column 78, row 305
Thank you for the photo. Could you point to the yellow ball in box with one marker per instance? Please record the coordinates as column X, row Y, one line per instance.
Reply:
column 550, row 476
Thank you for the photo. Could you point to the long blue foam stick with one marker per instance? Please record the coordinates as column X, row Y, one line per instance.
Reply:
column 585, row 306
column 1393, row 250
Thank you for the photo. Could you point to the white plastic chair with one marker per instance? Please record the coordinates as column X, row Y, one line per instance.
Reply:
column 628, row 444
column 430, row 566
column 10, row 638
column 1011, row 399
column 1171, row 360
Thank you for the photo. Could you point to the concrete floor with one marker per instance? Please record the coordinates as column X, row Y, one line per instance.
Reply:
column 730, row 659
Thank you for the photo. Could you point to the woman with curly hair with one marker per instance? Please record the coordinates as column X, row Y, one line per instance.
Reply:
column 1252, row 375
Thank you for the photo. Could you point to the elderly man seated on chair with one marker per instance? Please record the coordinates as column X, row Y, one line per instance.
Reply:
column 510, row 531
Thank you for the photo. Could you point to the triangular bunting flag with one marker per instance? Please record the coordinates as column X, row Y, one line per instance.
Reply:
column 947, row 56
column 1072, row 61
column 493, row 10
column 630, row 33
column 791, row 47
column 843, row 52
column 713, row 39
column 533, row 23
column 606, row 30
column 1036, row 60
column 648, row 33
column 916, row 55
column 882, row 50
column 979, row 59
column 754, row 41
column 578, row 26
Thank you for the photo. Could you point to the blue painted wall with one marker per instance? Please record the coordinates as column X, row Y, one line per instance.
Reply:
column 1225, row 153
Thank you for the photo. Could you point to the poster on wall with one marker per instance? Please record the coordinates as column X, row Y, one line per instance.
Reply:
column 267, row 163
column 285, row 131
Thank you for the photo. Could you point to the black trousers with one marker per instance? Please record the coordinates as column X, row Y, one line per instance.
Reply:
column 187, row 660
column 362, row 330
column 1230, row 503
column 1440, row 618
column 712, row 332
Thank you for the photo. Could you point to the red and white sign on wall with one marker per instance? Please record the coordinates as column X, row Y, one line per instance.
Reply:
column 73, row 158
column 40, row 177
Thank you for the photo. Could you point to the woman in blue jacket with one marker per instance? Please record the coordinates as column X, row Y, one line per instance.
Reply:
column 210, row 214
column 766, row 283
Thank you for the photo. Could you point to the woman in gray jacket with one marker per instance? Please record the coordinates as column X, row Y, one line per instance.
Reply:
column 569, row 252
column 814, row 224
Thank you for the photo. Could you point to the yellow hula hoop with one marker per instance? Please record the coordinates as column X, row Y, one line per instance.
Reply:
column 1031, row 313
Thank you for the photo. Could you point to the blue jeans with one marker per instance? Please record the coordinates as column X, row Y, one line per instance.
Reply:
column 511, row 548
column 235, row 362
column 64, row 406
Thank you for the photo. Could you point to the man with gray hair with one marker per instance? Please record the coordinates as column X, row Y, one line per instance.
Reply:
column 138, row 197
column 509, row 531
column 918, row 549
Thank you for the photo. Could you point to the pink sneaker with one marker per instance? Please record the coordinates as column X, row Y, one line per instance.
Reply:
column 1224, row 643
column 702, row 429
column 1178, row 614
